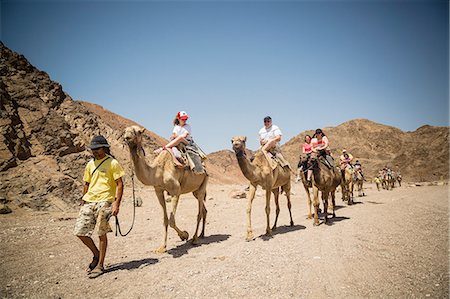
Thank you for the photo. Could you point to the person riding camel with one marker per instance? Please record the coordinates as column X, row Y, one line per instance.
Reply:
column 345, row 159
column 358, row 169
column 181, row 133
column 303, row 163
column 269, row 138
column 320, row 144
column 180, row 139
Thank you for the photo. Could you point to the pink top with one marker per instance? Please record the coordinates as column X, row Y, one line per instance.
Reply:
column 320, row 144
column 307, row 148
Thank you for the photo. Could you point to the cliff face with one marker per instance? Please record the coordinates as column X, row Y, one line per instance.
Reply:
column 43, row 137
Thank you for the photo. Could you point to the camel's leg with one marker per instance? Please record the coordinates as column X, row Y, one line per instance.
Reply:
column 205, row 211
column 344, row 191
column 333, row 202
column 352, row 187
column 268, row 229
column 316, row 205
column 182, row 234
column 309, row 201
column 162, row 202
column 201, row 196
column 276, row 193
column 249, row 212
column 199, row 218
column 287, row 190
column 325, row 205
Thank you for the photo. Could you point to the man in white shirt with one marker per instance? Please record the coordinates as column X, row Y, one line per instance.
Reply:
column 269, row 138
column 269, row 135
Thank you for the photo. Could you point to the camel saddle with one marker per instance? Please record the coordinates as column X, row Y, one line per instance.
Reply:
column 193, row 157
column 275, row 158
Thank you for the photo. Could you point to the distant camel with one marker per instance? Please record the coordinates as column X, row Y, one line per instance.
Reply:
column 326, row 180
column 359, row 182
column 164, row 176
column 347, row 184
column 259, row 172
column 386, row 181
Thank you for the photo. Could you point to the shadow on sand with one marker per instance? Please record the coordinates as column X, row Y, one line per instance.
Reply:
column 338, row 207
column 181, row 250
column 332, row 220
column 374, row 202
column 132, row 265
column 282, row 230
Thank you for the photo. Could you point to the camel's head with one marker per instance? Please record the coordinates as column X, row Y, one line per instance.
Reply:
column 238, row 143
column 133, row 136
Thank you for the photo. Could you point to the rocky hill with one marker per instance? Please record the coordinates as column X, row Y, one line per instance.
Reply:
column 422, row 155
column 44, row 134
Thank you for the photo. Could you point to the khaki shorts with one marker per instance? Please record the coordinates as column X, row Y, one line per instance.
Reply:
column 92, row 213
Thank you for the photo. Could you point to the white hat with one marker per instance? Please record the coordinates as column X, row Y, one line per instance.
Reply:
column 344, row 150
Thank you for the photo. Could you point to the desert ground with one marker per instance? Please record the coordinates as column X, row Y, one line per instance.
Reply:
column 390, row 244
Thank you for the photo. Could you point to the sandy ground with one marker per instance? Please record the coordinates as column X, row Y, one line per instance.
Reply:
column 391, row 244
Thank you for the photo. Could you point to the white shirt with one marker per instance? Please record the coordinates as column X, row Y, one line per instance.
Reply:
column 180, row 130
column 270, row 133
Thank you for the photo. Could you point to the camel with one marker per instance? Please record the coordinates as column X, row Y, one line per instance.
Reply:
column 347, row 185
column 325, row 180
column 259, row 172
column 359, row 181
column 388, row 181
column 164, row 176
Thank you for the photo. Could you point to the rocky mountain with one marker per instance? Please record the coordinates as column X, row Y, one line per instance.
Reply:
column 422, row 155
column 44, row 134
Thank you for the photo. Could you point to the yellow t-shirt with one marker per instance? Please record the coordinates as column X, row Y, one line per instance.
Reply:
column 102, row 184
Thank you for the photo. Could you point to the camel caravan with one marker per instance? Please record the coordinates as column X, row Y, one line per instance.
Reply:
column 178, row 169
column 387, row 178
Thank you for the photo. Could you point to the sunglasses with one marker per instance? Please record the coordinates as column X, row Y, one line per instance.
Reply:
column 267, row 121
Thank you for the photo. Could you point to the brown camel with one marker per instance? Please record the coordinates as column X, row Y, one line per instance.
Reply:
column 164, row 176
column 259, row 172
column 347, row 185
column 326, row 180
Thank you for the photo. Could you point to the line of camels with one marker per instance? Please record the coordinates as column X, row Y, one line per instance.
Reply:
column 162, row 174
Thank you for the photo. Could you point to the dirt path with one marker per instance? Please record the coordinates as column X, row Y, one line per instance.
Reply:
column 390, row 244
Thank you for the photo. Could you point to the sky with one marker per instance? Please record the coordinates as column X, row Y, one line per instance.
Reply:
column 228, row 64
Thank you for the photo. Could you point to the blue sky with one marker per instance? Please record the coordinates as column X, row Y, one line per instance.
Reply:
column 308, row 64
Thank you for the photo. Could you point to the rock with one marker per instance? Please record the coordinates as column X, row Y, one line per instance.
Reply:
column 138, row 202
column 238, row 194
column 4, row 209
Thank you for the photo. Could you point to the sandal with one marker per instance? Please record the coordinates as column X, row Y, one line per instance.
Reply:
column 93, row 264
column 96, row 272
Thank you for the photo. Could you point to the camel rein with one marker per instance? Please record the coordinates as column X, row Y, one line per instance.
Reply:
column 134, row 213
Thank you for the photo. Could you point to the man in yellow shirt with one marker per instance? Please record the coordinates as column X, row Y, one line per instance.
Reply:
column 102, row 194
